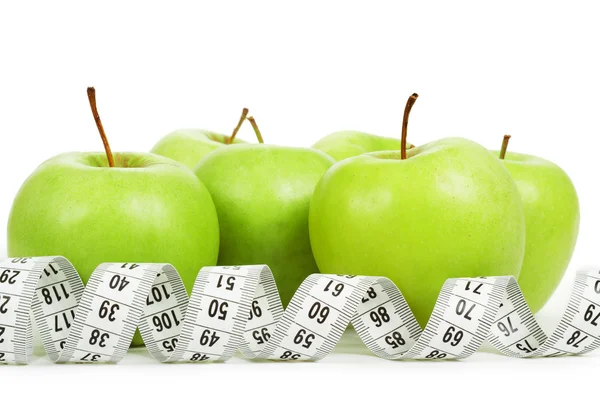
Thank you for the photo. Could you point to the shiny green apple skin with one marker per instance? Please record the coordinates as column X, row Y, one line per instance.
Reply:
column 552, row 224
column 262, row 194
column 189, row 146
column 344, row 144
column 147, row 209
column 449, row 210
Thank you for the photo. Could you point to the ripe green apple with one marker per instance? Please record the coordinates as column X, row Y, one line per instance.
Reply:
column 552, row 224
column 94, row 208
column 344, row 144
column 262, row 194
column 147, row 208
column 189, row 146
column 450, row 209
column 419, row 216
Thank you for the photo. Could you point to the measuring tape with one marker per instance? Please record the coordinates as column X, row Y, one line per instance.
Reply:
column 238, row 308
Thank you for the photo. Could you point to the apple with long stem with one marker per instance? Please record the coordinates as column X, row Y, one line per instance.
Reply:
column 345, row 144
column 104, row 207
column 551, row 209
column 262, row 194
column 419, row 216
column 189, row 146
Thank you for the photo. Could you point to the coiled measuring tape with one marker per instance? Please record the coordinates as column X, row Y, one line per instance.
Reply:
column 238, row 308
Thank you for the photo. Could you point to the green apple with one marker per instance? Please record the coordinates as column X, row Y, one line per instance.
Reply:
column 344, row 144
column 552, row 223
column 147, row 208
column 189, row 146
column 262, row 194
column 419, row 216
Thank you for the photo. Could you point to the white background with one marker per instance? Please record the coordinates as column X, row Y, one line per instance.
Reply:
column 305, row 70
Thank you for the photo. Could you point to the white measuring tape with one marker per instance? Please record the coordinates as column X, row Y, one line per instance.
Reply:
column 238, row 308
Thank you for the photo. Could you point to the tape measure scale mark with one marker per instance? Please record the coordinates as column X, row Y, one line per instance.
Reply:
column 239, row 307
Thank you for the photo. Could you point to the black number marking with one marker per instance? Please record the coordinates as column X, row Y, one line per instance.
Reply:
column 301, row 336
column 288, row 355
column 48, row 295
column 118, row 282
column 476, row 290
column 64, row 292
column 91, row 357
column 131, row 266
column 158, row 293
column 97, row 337
column 230, row 281
column 214, row 308
column 319, row 312
column 461, row 306
column 380, row 316
column 371, row 294
column 395, row 340
column 199, row 357
column 526, row 347
column 597, row 287
column 2, row 330
column 21, row 260
column 589, row 315
column 209, row 338
column 52, row 270
column 255, row 310
column 165, row 320
column 108, row 310
column 3, row 303
column 337, row 289
column 6, row 277
column 453, row 336
column 170, row 345
column 507, row 330
column 436, row 354
column 65, row 318
column 573, row 339
column 261, row 336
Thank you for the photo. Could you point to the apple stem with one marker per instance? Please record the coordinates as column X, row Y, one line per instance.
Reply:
column 256, row 131
column 409, row 103
column 239, row 125
column 91, row 92
column 504, row 146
